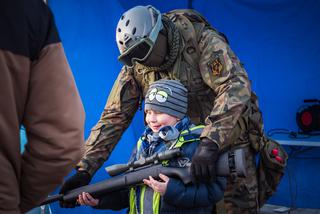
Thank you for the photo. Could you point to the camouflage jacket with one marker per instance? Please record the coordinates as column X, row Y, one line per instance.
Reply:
column 218, row 87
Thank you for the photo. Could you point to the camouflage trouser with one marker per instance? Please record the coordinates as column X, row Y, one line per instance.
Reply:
column 241, row 195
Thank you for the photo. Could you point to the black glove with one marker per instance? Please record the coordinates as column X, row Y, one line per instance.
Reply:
column 81, row 178
column 203, row 166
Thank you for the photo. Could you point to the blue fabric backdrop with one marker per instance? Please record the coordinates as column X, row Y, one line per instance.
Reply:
column 276, row 40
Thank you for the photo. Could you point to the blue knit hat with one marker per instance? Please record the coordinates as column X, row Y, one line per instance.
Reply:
column 167, row 96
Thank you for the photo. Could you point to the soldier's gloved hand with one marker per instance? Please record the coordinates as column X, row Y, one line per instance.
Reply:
column 81, row 178
column 203, row 166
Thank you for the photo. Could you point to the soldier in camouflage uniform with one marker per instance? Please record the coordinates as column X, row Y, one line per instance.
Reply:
column 179, row 45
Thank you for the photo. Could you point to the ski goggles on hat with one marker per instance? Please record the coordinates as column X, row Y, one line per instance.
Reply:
column 140, row 51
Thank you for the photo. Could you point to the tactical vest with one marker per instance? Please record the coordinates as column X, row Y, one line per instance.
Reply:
column 190, row 135
column 186, row 67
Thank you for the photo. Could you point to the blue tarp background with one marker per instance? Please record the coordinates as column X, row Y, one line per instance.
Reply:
column 278, row 41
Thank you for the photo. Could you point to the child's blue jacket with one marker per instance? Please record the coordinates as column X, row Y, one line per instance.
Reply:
column 178, row 198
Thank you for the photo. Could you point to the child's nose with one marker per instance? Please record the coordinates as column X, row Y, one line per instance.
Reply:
column 153, row 117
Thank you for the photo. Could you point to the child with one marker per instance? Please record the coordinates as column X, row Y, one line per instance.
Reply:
column 167, row 127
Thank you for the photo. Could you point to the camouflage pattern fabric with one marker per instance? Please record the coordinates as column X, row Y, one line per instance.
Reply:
column 219, row 96
column 241, row 195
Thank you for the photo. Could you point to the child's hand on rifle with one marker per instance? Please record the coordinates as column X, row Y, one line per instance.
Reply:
column 158, row 186
column 86, row 199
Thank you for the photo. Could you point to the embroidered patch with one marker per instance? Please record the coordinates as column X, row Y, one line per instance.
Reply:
column 216, row 66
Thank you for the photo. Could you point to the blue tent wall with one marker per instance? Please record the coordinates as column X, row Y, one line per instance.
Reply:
column 276, row 40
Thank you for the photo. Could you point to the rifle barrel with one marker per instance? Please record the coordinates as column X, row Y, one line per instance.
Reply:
column 52, row 198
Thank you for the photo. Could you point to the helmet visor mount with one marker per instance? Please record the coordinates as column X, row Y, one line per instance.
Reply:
column 140, row 51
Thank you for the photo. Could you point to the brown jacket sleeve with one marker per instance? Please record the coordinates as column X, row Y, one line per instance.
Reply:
column 54, row 121
column 37, row 91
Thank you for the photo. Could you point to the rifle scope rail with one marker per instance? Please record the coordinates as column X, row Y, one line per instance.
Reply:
column 117, row 169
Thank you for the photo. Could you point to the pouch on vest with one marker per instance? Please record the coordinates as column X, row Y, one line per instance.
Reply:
column 273, row 158
column 271, row 167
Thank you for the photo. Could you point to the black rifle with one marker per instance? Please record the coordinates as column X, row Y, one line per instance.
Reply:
column 135, row 172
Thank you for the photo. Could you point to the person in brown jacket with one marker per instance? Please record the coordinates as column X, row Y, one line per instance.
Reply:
column 38, row 91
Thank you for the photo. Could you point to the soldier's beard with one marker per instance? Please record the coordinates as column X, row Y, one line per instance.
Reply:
column 159, row 52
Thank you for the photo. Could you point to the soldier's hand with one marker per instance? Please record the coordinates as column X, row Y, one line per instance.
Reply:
column 203, row 166
column 81, row 178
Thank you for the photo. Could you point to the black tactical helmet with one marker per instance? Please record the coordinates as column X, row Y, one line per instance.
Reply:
column 136, row 33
